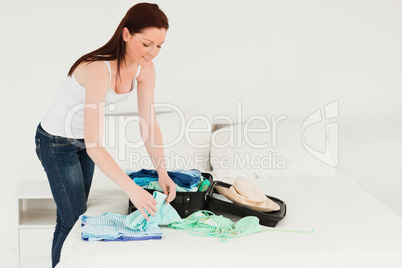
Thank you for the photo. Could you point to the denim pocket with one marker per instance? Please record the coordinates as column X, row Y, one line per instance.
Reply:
column 37, row 149
column 59, row 141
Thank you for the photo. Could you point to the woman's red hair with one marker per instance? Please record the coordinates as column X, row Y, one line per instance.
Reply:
column 137, row 18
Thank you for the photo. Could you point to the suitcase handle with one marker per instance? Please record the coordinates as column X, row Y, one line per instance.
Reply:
column 210, row 191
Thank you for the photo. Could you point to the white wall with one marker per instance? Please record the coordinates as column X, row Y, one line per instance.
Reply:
column 277, row 57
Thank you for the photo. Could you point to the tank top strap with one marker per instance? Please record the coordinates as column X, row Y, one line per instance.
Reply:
column 110, row 72
column 138, row 72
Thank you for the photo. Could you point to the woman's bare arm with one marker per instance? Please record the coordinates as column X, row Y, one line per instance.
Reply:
column 149, row 128
column 96, row 78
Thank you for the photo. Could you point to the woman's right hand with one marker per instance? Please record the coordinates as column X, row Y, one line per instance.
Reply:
column 142, row 200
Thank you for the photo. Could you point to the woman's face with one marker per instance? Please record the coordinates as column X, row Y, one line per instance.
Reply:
column 143, row 47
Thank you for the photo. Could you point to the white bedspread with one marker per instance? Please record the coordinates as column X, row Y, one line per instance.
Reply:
column 351, row 229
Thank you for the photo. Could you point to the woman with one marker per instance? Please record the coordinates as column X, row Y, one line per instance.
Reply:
column 69, row 137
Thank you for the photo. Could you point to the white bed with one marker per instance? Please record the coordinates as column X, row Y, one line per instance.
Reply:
column 350, row 227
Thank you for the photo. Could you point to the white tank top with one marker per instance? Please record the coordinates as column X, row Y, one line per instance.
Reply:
column 66, row 116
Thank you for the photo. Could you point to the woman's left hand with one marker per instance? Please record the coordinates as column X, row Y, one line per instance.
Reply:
column 168, row 187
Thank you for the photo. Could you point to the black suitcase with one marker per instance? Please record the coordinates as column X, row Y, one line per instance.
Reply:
column 187, row 203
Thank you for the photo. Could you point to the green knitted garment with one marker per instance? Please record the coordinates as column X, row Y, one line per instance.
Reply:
column 206, row 224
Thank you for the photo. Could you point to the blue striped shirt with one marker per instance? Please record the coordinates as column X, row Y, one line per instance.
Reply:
column 110, row 227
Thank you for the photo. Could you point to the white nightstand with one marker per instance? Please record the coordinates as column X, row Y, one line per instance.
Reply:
column 36, row 222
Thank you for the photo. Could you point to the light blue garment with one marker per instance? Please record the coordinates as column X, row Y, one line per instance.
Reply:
column 140, row 181
column 110, row 226
column 154, row 185
column 202, row 186
column 165, row 215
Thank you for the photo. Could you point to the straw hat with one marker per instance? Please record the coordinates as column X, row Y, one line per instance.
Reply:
column 245, row 193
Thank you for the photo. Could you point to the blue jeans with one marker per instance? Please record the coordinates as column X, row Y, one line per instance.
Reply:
column 69, row 170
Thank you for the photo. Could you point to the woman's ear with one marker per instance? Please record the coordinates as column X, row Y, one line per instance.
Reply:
column 126, row 34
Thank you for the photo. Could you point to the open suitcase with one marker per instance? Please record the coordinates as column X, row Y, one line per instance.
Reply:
column 187, row 203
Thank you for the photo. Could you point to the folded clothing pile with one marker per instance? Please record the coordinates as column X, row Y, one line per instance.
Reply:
column 111, row 227
column 116, row 227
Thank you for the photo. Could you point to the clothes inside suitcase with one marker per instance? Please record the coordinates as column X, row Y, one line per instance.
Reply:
column 187, row 203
